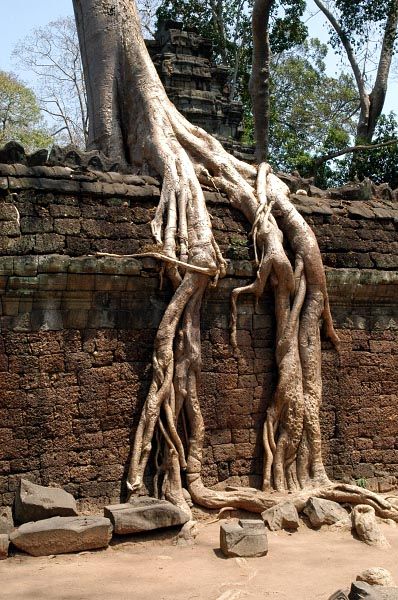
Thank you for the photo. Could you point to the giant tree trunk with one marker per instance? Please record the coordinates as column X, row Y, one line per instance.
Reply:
column 131, row 119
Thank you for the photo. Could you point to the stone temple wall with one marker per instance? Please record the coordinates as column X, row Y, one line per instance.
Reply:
column 77, row 333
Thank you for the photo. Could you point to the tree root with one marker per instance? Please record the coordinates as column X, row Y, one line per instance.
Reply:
column 156, row 138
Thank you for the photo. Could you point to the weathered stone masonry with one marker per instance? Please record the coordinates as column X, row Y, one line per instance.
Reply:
column 77, row 333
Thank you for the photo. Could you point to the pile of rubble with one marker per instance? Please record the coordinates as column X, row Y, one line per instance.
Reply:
column 49, row 522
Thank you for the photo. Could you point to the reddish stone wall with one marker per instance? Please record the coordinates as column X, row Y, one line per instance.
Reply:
column 77, row 333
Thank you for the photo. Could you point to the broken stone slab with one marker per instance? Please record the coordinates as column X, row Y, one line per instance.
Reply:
column 35, row 502
column 246, row 538
column 4, row 543
column 281, row 516
column 324, row 512
column 144, row 514
column 377, row 576
column 6, row 520
column 360, row 590
column 366, row 526
column 62, row 535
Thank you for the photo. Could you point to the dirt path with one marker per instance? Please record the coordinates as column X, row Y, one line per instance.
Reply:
column 307, row 565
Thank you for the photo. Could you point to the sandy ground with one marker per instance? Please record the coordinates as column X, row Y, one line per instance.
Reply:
column 306, row 565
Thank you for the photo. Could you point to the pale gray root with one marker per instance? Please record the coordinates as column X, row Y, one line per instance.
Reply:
column 135, row 122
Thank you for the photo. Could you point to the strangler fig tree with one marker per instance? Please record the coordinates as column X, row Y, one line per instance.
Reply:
column 132, row 121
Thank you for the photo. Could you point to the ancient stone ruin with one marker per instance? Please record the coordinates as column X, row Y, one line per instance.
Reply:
column 77, row 328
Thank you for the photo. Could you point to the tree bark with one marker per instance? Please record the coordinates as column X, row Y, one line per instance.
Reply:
column 259, row 81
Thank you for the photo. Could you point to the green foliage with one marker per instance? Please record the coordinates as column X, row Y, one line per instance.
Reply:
column 20, row 117
column 361, row 482
column 310, row 111
column 379, row 165
column 358, row 19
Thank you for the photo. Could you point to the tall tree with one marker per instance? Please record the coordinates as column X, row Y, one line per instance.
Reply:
column 131, row 119
column 353, row 24
column 260, row 77
column 52, row 54
column 20, row 117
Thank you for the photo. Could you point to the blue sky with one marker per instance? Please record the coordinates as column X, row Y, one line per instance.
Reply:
column 19, row 17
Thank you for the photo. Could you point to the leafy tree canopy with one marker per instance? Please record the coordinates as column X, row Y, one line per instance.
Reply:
column 380, row 165
column 20, row 117
column 357, row 18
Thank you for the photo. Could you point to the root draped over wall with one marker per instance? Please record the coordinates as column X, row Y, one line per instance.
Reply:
column 132, row 121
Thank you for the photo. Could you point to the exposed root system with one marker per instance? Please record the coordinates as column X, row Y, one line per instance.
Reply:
column 155, row 138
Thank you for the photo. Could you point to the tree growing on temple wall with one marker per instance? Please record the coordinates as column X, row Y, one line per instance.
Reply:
column 133, row 122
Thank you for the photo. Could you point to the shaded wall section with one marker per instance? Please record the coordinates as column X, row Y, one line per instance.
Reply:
column 77, row 333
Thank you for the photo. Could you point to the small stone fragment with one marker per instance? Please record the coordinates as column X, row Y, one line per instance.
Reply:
column 360, row 590
column 4, row 543
column 61, row 535
column 366, row 526
column 324, row 512
column 35, row 502
column 6, row 520
column 339, row 595
column 246, row 538
column 281, row 516
column 377, row 576
column 144, row 514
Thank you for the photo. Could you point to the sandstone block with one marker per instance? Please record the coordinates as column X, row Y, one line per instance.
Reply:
column 324, row 512
column 360, row 590
column 377, row 576
column 144, row 514
column 61, row 535
column 6, row 520
column 366, row 526
column 247, row 538
column 35, row 502
column 281, row 516
column 4, row 543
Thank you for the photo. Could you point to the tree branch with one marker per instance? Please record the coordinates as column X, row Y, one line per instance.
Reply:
column 363, row 96
column 352, row 149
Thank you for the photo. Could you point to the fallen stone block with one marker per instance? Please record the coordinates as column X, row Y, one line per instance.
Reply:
column 360, row 590
column 324, row 512
column 144, row 514
column 247, row 538
column 35, row 502
column 61, row 535
column 6, row 520
column 281, row 516
column 377, row 576
column 366, row 526
column 4, row 543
